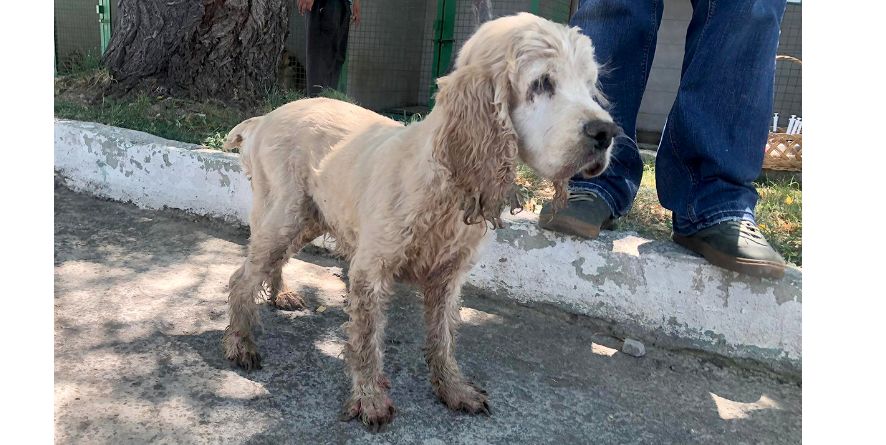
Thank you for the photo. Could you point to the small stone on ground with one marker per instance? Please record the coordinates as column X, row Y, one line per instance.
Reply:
column 633, row 347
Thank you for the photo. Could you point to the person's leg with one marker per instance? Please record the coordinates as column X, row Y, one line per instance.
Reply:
column 712, row 145
column 341, row 42
column 623, row 33
column 318, row 48
column 323, row 27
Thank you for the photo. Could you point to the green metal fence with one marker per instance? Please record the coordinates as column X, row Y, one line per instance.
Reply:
column 82, row 29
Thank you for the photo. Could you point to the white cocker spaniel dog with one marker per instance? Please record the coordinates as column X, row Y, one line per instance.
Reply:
column 414, row 202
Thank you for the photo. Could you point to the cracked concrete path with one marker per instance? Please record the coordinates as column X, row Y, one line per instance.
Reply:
column 140, row 309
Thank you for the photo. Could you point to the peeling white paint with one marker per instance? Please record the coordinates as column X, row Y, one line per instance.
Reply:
column 653, row 286
column 149, row 171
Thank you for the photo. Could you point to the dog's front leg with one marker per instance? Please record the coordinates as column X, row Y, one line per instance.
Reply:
column 369, row 290
column 442, row 300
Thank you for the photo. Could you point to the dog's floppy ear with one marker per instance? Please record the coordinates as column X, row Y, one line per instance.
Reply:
column 476, row 141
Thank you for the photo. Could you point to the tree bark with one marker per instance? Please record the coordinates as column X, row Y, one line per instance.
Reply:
column 225, row 49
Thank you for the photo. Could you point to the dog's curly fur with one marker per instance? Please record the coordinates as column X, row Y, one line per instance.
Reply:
column 410, row 202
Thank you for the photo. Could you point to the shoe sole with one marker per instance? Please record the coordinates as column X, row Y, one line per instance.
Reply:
column 748, row 266
column 569, row 226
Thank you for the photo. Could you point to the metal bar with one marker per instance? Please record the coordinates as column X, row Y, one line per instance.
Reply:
column 103, row 8
column 444, row 38
column 343, row 77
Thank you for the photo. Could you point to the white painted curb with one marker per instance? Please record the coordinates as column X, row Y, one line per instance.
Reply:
column 649, row 289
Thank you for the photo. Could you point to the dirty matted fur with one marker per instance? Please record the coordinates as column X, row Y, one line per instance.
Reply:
column 414, row 202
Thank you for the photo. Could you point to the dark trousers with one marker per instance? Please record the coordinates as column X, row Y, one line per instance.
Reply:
column 327, row 40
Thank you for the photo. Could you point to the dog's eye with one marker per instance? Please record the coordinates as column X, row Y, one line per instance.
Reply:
column 542, row 85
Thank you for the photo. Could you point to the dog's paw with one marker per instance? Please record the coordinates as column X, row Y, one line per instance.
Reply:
column 241, row 350
column 464, row 396
column 288, row 301
column 374, row 412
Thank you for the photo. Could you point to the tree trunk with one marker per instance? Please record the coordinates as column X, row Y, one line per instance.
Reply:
column 226, row 49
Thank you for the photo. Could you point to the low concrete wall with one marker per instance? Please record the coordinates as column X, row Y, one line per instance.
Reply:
column 650, row 289
column 150, row 171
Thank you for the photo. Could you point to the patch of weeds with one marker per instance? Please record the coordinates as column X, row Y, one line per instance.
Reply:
column 780, row 217
column 338, row 95
column 80, row 64
column 778, row 212
column 81, row 95
column 534, row 189
column 215, row 141
column 405, row 118
column 278, row 97
column 647, row 217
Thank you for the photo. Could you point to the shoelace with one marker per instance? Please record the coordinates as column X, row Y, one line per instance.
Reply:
column 583, row 196
column 750, row 231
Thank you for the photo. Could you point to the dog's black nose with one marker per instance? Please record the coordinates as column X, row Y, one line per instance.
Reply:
column 601, row 133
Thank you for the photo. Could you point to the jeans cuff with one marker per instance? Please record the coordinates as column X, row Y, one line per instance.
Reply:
column 690, row 228
column 597, row 190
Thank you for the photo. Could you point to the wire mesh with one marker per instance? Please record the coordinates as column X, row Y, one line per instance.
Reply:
column 789, row 75
column 387, row 54
column 390, row 55
column 292, row 70
column 466, row 20
column 76, row 32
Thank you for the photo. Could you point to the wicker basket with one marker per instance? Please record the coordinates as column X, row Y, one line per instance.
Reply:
column 784, row 151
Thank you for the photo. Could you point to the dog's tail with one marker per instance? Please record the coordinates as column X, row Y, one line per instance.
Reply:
column 236, row 138
column 238, row 134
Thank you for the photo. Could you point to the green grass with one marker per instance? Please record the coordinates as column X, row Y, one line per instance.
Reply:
column 647, row 217
column 80, row 64
column 780, row 217
column 338, row 95
column 181, row 120
column 778, row 213
column 80, row 95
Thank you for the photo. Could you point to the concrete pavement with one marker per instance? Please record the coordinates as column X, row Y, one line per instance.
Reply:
column 139, row 314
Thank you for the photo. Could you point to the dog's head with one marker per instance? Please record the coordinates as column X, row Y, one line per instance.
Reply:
column 522, row 86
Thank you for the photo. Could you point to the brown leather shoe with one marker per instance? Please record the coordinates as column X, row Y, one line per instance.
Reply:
column 735, row 245
column 585, row 215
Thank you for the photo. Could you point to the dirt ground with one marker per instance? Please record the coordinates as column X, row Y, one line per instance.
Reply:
column 140, row 307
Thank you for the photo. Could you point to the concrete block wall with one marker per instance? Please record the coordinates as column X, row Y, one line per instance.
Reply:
column 664, row 79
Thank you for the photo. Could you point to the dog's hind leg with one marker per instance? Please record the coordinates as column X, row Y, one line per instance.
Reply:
column 370, row 285
column 279, row 293
column 442, row 291
column 268, row 247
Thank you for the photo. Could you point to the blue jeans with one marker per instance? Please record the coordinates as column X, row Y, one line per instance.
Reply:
column 711, row 147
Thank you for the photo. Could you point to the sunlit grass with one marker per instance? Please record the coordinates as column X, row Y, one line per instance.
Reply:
column 778, row 212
